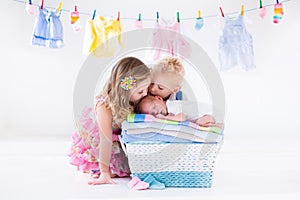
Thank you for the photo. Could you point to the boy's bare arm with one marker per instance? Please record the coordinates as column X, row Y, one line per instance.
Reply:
column 205, row 120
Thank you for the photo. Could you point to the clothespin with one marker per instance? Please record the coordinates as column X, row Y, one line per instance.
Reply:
column 59, row 7
column 30, row 2
column 198, row 14
column 178, row 18
column 277, row 1
column 139, row 19
column 75, row 8
column 42, row 5
column 118, row 16
column 94, row 14
column 243, row 10
column 260, row 3
column 157, row 16
column 221, row 11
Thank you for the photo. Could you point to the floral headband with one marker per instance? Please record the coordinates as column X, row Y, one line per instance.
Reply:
column 128, row 82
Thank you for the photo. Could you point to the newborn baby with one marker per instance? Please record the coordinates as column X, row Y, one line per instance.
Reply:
column 176, row 110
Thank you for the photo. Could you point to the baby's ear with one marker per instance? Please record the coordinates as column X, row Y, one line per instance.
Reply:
column 176, row 89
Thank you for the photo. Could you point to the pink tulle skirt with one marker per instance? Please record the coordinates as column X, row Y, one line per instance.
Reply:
column 84, row 151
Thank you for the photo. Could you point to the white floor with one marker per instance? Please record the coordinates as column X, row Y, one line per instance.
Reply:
column 249, row 169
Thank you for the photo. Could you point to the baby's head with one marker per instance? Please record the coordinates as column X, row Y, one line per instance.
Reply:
column 167, row 77
column 153, row 105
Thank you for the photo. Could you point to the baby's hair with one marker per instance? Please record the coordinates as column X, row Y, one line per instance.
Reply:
column 172, row 66
column 138, row 108
column 117, row 98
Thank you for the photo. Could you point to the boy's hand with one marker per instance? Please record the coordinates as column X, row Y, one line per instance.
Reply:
column 206, row 120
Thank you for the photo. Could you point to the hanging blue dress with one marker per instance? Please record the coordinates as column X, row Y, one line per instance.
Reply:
column 48, row 29
column 235, row 45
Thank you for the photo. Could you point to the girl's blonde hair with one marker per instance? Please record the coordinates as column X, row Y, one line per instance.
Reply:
column 171, row 66
column 117, row 98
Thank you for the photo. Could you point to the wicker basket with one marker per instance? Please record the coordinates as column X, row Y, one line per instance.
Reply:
column 174, row 164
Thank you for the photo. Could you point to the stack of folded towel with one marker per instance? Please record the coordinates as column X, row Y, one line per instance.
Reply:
column 142, row 127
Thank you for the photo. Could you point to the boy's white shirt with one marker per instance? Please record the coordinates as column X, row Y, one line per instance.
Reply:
column 172, row 97
column 191, row 109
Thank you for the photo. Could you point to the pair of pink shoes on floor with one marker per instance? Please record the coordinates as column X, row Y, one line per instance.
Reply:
column 149, row 182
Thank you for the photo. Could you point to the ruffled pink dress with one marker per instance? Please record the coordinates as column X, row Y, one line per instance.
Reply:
column 84, row 152
column 167, row 39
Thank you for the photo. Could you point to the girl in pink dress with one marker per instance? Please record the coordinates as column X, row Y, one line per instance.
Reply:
column 96, row 147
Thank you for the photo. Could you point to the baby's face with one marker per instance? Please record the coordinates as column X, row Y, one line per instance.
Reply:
column 162, row 85
column 153, row 105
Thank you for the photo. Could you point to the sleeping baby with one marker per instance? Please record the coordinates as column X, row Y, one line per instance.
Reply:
column 176, row 110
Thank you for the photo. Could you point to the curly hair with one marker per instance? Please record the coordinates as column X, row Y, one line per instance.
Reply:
column 116, row 98
column 171, row 66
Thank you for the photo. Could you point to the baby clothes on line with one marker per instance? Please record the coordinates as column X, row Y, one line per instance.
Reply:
column 48, row 29
column 102, row 36
column 30, row 8
column 262, row 12
column 75, row 21
column 199, row 23
column 139, row 24
column 278, row 13
column 168, row 40
column 235, row 45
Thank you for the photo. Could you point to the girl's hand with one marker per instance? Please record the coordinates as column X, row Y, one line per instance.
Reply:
column 103, row 179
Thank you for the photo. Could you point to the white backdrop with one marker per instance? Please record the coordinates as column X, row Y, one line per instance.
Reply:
column 37, row 83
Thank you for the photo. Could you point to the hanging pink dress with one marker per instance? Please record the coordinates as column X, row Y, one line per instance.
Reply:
column 167, row 39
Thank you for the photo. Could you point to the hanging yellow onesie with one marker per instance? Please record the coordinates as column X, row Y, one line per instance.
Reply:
column 102, row 36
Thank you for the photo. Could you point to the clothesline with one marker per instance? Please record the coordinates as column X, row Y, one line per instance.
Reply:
column 152, row 19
